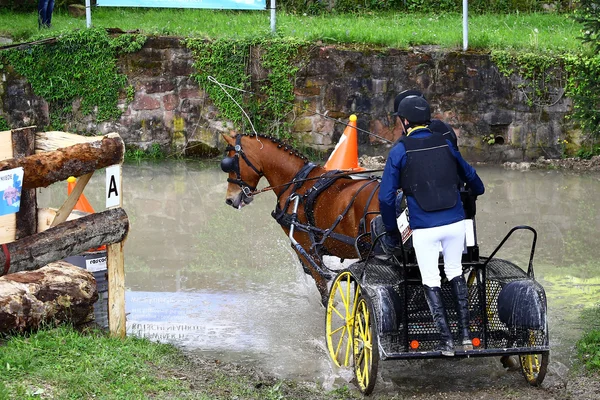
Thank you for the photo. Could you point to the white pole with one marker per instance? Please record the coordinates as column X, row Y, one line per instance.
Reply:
column 273, row 16
column 465, row 25
column 88, row 14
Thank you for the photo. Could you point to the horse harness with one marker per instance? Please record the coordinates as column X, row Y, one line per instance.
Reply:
column 308, row 199
column 232, row 164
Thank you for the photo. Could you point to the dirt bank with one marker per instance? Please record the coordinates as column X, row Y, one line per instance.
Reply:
column 560, row 384
column 573, row 164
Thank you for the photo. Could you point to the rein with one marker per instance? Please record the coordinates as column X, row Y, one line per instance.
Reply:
column 293, row 181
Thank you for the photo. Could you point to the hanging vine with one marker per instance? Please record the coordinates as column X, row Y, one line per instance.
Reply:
column 544, row 80
column 81, row 65
column 268, row 100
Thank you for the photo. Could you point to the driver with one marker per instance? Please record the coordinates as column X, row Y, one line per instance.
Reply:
column 436, row 125
column 428, row 169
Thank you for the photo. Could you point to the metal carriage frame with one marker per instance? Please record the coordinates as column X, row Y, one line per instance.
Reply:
column 377, row 311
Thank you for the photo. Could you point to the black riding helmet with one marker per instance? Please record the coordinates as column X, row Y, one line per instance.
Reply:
column 415, row 109
column 402, row 95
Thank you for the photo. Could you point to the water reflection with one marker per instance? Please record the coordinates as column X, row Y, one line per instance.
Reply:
column 226, row 283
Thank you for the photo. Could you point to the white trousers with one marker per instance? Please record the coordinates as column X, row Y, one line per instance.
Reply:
column 427, row 248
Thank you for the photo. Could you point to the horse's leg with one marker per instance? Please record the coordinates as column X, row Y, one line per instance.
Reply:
column 320, row 279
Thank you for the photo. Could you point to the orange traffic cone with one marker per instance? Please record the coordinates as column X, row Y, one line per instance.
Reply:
column 82, row 204
column 345, row 154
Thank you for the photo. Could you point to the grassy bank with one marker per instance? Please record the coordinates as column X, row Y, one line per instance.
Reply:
column 588, row 347
column 63, row 363
column 533, row 32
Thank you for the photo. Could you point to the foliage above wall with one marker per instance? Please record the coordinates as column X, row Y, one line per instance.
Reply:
column 577, row 74
column 268, row 101
column 81, row 65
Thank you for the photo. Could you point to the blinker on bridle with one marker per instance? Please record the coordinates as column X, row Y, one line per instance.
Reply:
column 232, row 164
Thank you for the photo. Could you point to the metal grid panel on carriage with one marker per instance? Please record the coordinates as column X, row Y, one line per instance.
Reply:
column 414, row 320
column 420, row 322
column 387, row 273
column 499, row 273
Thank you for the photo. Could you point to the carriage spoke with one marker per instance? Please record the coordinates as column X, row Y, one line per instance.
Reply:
column 366, row 356
column 340, row 309
column 340, row 341
column 338, row 313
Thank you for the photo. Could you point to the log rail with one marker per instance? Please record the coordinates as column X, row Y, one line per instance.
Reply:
column 50, row 157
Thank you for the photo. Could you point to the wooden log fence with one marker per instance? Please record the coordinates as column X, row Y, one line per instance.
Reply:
column 28, row 244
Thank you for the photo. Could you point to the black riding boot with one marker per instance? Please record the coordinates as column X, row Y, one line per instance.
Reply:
column 461, row 298
column 436, row 306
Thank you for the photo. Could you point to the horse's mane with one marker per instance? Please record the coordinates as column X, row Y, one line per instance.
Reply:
column 281, row 145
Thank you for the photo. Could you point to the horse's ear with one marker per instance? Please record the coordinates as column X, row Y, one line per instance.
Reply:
column 229, row 139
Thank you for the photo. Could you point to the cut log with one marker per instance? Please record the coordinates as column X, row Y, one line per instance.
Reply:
column 57, row 293
column 54, row 140
column 64, row 240
column 43, row 169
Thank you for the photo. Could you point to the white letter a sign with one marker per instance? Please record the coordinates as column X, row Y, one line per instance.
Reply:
column 113, row 186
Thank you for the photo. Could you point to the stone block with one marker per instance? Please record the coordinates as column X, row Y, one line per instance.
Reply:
column 303, row 125
column 170, row 101
column 160, row 85
column 498, row 117
column 193, row 93
column 190, row 105
column 323, row 125
column 307, row 106
column 145, row 102
column 181, row 66
column 307, row 91
column 379, row 86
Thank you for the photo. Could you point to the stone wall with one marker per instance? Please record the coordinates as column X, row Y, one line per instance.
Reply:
column 464, row 89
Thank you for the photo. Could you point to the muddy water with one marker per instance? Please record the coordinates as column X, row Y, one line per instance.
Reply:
column 225, row 283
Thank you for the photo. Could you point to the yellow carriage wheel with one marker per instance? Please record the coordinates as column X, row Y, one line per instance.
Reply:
column 339, row 322
column 534, row 366
column 366, row 348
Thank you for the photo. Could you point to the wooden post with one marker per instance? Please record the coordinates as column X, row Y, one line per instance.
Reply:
column 23, row 140
column 65, row 210
column 116, row 290
column 116, row 275
column 8, row 223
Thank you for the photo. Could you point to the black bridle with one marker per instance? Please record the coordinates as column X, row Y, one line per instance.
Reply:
column 232, row 164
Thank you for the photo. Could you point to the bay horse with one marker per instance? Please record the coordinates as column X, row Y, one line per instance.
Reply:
column 333, row 208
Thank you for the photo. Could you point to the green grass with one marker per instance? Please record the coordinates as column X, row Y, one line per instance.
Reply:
column 531, row 32
column 64, row 364
column 588, row 347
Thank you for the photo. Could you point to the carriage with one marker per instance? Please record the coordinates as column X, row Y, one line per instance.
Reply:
column 375, row 308
column 377, row 311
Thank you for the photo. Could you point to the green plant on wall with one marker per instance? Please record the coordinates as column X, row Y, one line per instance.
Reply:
column 3, row 124
column 584, row 88
column 539, row 74
column 80, row 65
column 226, row 61
column 268, row 101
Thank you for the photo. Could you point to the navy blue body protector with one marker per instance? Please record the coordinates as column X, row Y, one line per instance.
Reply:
column 430, row 174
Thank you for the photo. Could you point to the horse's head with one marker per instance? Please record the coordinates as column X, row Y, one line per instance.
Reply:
column 244, row 174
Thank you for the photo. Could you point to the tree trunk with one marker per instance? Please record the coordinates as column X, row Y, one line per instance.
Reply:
column 43, row 169
column 66, row 239
column 58, row 292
